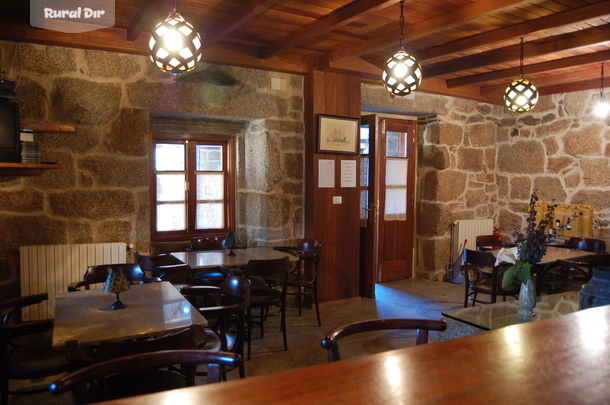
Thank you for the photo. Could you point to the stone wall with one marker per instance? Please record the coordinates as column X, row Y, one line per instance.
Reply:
column 113, row 100
column 477, row 160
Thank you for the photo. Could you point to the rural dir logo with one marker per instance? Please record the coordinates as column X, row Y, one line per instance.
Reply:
column 72, row 16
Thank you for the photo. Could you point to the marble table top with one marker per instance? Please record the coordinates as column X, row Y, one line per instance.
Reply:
column 213, row 258
column 152, row 309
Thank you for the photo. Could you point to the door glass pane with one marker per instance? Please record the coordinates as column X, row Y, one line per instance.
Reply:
column 396, row 172
column 209, row 158
column 169, row 157
column 364, row 172
column 396, row 144
column 210, row 187
column 171, row 217
column 364, row 204
column 364, row 139
column 210, row 216
column 395, row 204
column 170, row 187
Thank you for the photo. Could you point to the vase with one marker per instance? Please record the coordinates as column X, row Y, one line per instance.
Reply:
column 597, row 291
column 527, row 299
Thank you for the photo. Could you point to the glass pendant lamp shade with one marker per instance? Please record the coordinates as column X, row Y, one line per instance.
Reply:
column 175, row 46
column 401, row 74
column 602, row 108
column 521, row 95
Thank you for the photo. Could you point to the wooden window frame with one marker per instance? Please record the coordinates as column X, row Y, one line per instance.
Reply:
column 193, row 139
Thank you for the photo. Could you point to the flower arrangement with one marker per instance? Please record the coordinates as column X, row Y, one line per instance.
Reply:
column 530, row 248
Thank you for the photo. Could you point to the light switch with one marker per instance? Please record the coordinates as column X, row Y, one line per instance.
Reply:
column 337, row 199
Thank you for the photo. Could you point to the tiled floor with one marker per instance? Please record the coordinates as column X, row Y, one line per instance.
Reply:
column 406, row 298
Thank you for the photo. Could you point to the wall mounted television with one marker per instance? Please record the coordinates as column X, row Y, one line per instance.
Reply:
column 9, row 131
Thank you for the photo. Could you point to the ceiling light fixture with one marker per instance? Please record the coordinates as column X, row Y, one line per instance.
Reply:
column 401, row 73
column 521, row 95
column 602, row 108
column 175, row 46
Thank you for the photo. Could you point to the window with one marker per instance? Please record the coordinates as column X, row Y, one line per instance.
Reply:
column 192, row 186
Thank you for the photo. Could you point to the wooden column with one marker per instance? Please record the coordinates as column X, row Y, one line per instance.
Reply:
column 336, row 226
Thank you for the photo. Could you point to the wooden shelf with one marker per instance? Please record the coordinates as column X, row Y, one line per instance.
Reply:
column 49, row 128
column 26, row 169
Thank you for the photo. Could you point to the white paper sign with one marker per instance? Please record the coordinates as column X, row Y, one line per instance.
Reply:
column 326, row 173
column 348, row 173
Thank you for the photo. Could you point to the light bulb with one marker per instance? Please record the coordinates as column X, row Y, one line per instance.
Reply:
column 602, row 109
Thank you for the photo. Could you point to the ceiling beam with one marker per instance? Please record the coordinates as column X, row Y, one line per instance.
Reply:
column 590, row 37
column 429, row 27
column 139, row 22
column 516, row 31
column 246, row 12
column 338, row 18
column 582, row 60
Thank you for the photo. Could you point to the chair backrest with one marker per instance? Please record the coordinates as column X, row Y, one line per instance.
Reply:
column 479, row 258
column 206, row 243
column 488, row 242
column 587, row 244
column 99, row 274
column 422, row 326
column 267, row 268
column 92, row 383
column 309, row 245
column 160, row 265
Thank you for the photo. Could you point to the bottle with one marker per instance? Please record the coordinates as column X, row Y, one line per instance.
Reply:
column 569, row 225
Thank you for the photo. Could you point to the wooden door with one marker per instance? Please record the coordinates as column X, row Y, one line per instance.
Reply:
column 387, row 200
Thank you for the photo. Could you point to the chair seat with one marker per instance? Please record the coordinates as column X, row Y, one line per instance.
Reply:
column 128, row 385
column 36, row 360
column 259, row 296
column 485, row 286
column 210, row 276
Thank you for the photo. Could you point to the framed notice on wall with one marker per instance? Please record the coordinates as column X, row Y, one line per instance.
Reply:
column 338, row 134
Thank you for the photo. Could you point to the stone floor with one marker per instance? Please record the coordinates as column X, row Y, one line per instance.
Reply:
column 401, row 299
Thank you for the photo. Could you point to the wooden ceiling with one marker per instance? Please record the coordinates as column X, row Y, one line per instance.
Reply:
column 466, row 48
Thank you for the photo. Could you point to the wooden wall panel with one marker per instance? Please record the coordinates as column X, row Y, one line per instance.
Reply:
column 336, row 226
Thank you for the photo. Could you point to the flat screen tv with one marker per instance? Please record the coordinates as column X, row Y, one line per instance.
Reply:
column 9, row 131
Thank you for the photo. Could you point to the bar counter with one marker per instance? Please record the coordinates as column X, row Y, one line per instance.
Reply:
column 563, row 360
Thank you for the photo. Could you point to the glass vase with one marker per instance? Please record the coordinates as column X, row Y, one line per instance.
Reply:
column 527, row 299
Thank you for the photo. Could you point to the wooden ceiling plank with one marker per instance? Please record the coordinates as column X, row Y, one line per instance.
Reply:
column 336, row 19
column 596, row 57
column 429, row 27
column 516, row 31
column 136, row 27
column 246, row 12
column 512, row 53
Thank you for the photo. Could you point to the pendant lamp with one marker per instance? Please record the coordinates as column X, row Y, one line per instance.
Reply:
column 521, row 95
column 175, row 46
column 602, row 108
column 401, row 73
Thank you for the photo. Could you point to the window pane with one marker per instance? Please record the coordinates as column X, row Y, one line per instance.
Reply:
column 209, row 158
column 364, row 139
column 396, row 172
column 169, row 157
column 396, row 144
column 210, row 187
column 171, row 217
column 364, row 172
column 395, row 204
column 210, row 216
column 170, row 187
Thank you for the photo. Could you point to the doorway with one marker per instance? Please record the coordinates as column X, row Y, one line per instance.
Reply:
column 387, row 200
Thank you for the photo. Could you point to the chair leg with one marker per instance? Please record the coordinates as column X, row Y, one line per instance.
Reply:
column 249, row 333
column 315, row 297
column 299, row 298
column 283, row 324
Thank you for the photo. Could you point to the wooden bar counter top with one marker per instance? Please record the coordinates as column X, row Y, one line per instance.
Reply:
column 563, row 360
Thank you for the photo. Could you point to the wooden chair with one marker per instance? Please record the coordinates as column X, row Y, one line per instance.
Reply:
column 262, row 296
column 124, row 377
column 303, row 281
column 207, row 276
column 331, row 341
column 165, row 267
column 226, row 305
column 98, row 274
column 26, row 351
column 488, row 242
column 482, row 276
column 570, row 275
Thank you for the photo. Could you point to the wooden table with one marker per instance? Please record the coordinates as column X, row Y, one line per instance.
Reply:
column 562, row 360
column 213, row 258
column 152, row 308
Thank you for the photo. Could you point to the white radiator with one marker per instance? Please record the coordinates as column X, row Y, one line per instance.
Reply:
column 468, row 229
column 51, row 268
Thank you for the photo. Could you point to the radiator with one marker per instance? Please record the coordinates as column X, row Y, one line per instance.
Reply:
column 468, row 229
column 51, row 268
